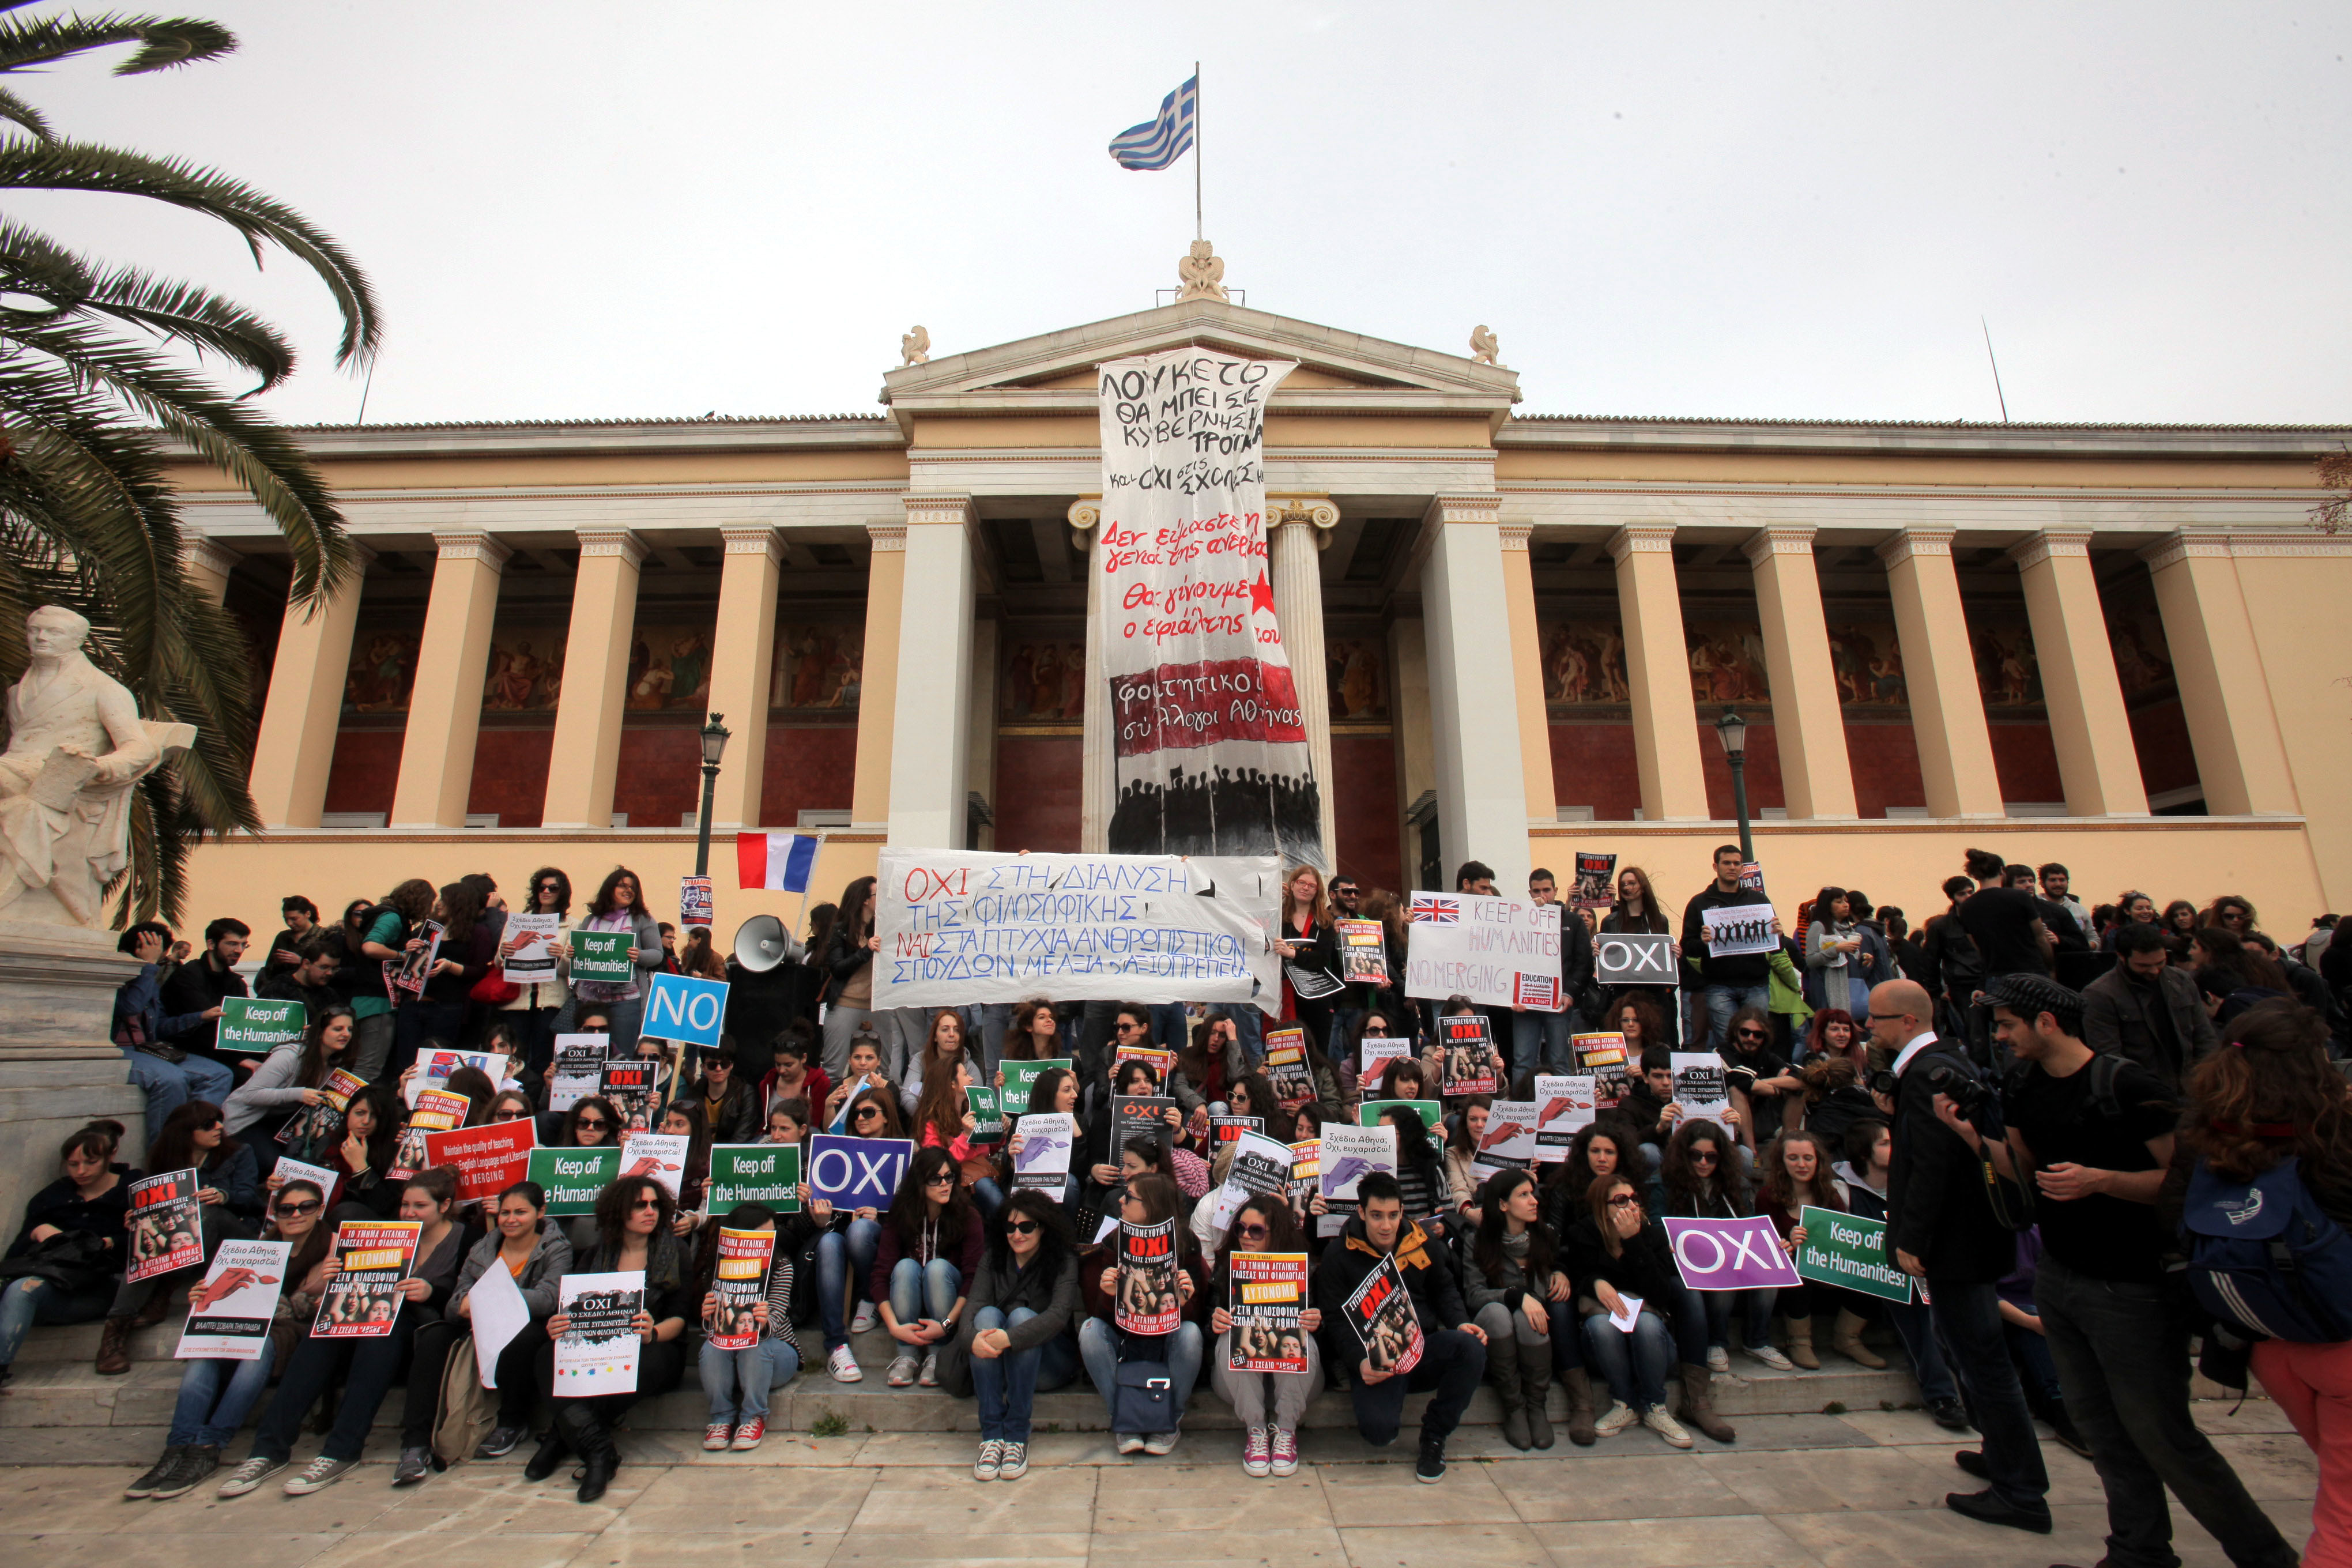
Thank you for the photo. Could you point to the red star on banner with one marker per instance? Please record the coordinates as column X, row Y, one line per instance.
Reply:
column 1261, row 595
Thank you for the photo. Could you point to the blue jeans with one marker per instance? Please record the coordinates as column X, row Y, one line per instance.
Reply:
column 1249, row 1029
column 1007, row 1385
column 1540, row 1041
column 1635, row 1364
column 988, row 1197
column 1755, row 1316
column 845, row 1258
column 921, row 1290
column 1170, row 1025
column 369, row 1367
column 1935, row 1379
column 171, row 1085
column 1967, row 1316
column 1722, row 1001
column 984, row 1025
column 1099, row 1343
column 25, row 1302
column 217, row 1395
column 756, row 1370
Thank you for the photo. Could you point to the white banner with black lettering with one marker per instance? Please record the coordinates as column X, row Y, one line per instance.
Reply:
column 1499, row 953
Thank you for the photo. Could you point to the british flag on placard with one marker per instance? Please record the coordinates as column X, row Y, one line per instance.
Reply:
column 1436, row 910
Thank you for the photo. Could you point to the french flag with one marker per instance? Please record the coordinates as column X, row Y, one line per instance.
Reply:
column 779, row 860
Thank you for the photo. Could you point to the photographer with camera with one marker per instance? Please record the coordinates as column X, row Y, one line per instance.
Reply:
column 2091, row 1133
column 1941, row 1227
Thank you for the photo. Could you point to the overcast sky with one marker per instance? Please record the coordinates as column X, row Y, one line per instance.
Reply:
column 665, row 209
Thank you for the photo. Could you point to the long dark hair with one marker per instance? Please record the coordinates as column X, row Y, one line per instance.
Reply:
column 1162, row 1199
column 461, row 906
column 1019, row 1045
column 306, row 1256
column 1688, row 1188
column 1053, row 1246
column 384, row 1102
column 613, row 1119
column 1398, row 1067
column 1487, row 1251
column 1652, row 1016
column 93, row 1141
column 942, row 1106
column 698, row 1138
column 1652, row 918
column 1282, row 1232
column 175, row 1148
column 911, row 1210
column 562, row 891
column 1460, row 1137
column 613, row 1207
column 1048, row 1085
column 412, row 901
column 603, row 904
column 2270, row 1092
column 312, row 1070
column 848, row 912
column 1825, row 904
column 476, row 1086
column 1575, row 1173
column 1779, row 1188
column 1415, row 1148
column 887, row 1099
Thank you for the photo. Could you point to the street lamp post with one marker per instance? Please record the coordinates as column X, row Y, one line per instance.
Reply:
column 714, row 747
column 1733, row 731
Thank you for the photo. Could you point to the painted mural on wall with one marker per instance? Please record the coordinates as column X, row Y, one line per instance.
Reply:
column 382, row 669
column 1584, row 663
column 1358, row 671
column 2008, row 674
column 1042, row 681
column 1726, row 661
column 669, row 666
column 1866, row 662
column 819, row 668
column 2136, row 633
column 526, row 673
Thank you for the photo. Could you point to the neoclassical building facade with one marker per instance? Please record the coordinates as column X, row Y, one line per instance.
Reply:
column 2115, row 647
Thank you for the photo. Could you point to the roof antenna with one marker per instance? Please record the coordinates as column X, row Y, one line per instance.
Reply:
column 365, row 388
column 1995, row 370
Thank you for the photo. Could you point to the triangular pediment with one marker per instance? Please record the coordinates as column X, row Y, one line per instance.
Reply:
column 1057, row 364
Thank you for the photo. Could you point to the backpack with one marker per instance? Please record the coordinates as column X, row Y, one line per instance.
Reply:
column 2265, row 1257
column 466, row 1407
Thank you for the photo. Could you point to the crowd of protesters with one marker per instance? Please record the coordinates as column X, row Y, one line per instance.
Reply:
column 2035, row 1096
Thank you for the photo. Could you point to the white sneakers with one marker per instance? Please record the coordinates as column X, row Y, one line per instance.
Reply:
column 842, row 1365
column 864, row 1320
column 930, row 1374
column 902, row 1370
column 1717, row 1359
column 1770, row 1356
column 991, row 1455
column 1620, row 1417
column 1000, row 1461
column 1666, row 1427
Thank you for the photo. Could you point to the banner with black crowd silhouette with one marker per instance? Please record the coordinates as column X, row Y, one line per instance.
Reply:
column 1209, row 752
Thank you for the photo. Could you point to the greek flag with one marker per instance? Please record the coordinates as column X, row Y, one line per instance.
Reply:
column 1156, row 144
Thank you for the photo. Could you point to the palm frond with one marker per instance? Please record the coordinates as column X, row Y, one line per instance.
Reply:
column 32, row 264
column 260, row 219
column 17, row 112
column 165, row 42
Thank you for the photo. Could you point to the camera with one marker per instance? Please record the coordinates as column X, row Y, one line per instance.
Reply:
column 1971, row 1096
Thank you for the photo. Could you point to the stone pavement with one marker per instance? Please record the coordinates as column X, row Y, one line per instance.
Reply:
column 1859, row 1491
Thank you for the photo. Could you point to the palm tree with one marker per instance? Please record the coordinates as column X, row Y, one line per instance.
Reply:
column 102, row 385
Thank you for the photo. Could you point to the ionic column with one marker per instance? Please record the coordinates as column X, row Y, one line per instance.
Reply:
column 931, row 718
column 2225, row 693
column 1657, row 669
column 2097, row 763
column 296, row 744
column 1939, row 674
column 587, row 750
column 742, row 665
column 444, row 710
column 1816, row 776
column 1297, row 529
column 1481, row 800
column 877, row 689
column 208, row 564
column 1094, row 788
column 979, row 730
column 1526, row 673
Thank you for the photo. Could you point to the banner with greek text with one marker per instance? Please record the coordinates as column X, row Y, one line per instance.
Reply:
column 1209, row 741
column 965, row 926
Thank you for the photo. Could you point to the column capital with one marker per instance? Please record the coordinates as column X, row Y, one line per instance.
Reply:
column 1086, row 513
column 754, row 539
column 1516, row 535
column 1475, row 508
column 2048, row 543
column 483, row 548
column 938, row 511
column 1319, row 511
column 1917, row 541
column 208, row 554
column 620, row 541
column 1778, row 539
column 1641, row 538
column 2200, row 543
column 887, row 536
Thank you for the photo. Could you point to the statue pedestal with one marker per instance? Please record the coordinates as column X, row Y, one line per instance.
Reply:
column 58, row 1068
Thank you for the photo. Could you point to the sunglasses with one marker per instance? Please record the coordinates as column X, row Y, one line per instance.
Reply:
column 865, row 1111
column 1130, row 1028
column 943, row 1179
column 1021, row 1227
column 646, row 1203
column 1253, row 1232
column 510, row 1114
column 1751, row 1034
column 312, row 1206
column 1624, row 1200
column 594, row 1123
column 1702, row 1156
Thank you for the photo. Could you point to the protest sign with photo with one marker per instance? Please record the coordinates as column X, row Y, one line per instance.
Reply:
column 1349, row 1154
column 1261, row 1164
column 1287, row 1073
column 987, row 1115
column 1043, row 1158
column 602, row 955
column 740, row 1283
column 1467, row 1061
column 1305, row 1171
column 577, row 1071
column 1138, row 1117
column 436, row 1112
column 409, row 971
column 766, row 1173
column 1603, row 1057
column 857, row 1172
column 371, row 1258
column 1729, row 1254
column 1509, row 1141
column 1635, row 958
column 1153, row 1057
column 959, row 927
column 1496, row 952
column 490, row 1158
column 1699, row 1087
column 696, row 904
column 1022, row 1077
column 1380, row 1312
column 661, row 1155
column 1223, row 1130
column 597, row 1351
column 163, row 1230
column 1363, row 951
column 257, row 1025
column 634, row 1086
column 1847, row 1249
column 229, row 1319
column 1148, row 1299
column 326, row 1178
column 534, row 960
column 1733, row 930
column 1565, row 1105
column 1368, row 1112
column 574, row 1177
column 1266, row 1296
column 434, row 1067
column 1596, row 881
column 312, row 1126
column 1377, row 1053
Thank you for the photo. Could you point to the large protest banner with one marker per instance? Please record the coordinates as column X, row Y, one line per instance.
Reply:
column 962, row 926
column 1499, row 953
column 1208, row 736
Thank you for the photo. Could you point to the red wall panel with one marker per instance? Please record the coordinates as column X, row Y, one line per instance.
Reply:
column 1365, row 812
column 364, row 771
column 1885, row 760
column 2026, row 760
column 660, row 775
column 511, row 775
column 810, row 767
column 1592, row 765
column 1038, row 780
column 2161, row 736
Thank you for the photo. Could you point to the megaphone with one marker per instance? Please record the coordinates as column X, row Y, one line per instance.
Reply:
column 763, row 942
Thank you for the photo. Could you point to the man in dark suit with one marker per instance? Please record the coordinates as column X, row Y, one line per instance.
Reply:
column 2147, row 1009
column 1941, row 1228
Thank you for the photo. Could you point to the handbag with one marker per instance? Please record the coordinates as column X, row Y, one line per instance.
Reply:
column 1144, row 1398
column 73, row 1261
column 467, row 1408
column 494, row 990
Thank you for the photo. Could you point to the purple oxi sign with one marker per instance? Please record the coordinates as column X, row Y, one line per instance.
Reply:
column 1730, row 1254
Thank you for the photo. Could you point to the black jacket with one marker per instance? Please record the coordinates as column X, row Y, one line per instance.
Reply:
column 1643, row 1267
column 1428, row 1278
column 845, row 955
column 195, row 988
column 2117, row 1016
column 1937, row 1208
column 60, row 1203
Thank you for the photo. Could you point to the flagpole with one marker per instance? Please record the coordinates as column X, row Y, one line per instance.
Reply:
column 1196, row 150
